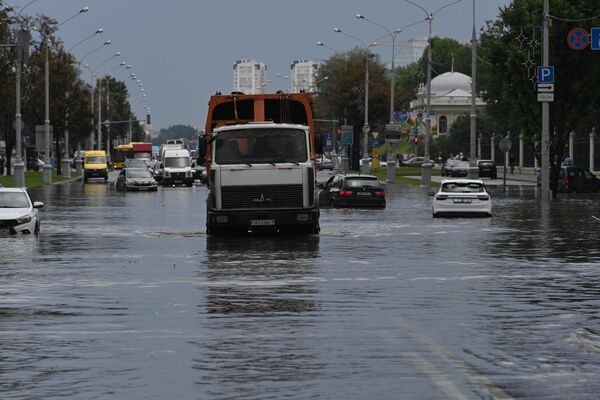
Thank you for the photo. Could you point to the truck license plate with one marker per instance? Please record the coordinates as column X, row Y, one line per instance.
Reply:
column 262, row 222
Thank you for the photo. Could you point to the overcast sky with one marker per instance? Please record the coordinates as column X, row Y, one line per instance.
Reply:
column 184, row 50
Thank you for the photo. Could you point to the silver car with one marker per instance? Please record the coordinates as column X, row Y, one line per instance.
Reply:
column 17, row 213
column 136, row 179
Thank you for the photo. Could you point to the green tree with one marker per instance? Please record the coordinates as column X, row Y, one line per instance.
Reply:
column 341, row 96
column 511, row 50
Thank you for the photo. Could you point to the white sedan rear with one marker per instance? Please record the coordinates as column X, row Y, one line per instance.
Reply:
column 462, row 197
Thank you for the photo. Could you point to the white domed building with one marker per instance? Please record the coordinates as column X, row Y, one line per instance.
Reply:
column 450, row 98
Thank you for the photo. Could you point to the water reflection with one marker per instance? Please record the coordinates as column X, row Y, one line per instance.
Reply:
column 261, row 308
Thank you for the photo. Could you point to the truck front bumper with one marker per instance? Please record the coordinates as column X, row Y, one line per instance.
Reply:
column 262, row 220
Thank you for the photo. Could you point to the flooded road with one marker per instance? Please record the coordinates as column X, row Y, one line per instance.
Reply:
column 123, row 296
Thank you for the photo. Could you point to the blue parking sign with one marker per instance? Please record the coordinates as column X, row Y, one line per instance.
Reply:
column 545, row 74
column 595, row 39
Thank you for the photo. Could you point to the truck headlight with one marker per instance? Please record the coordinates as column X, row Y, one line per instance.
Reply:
column 188, row 173
column 167, row 174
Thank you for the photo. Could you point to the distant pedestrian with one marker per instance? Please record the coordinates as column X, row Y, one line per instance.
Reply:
column 511, row 162
column 2, row 162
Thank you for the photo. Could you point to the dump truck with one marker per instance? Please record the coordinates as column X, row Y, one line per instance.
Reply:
column 260, row 161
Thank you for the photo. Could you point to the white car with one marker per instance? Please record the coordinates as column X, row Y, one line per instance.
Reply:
column 17, row 213
column 462, row 197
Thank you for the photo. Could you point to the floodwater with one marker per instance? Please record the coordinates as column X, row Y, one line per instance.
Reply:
column 123, row 296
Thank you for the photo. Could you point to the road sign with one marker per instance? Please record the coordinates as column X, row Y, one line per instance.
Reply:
column 347, row 135
column 578, row 39
column 545, row 96
column 375, row 134
column 366, row 129
column 40, row 137
column 505, row 144
column 107, row 123
column 393, row 133
column 401, row 116
column 376, row 143
column 545, row 87
column 545, row 74
column 595, row 39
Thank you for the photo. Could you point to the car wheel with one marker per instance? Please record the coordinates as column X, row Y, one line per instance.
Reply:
column 435, row 215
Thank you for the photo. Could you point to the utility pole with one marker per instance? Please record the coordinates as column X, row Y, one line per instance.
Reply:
column 47, row 168
column 99, row 113
column 426, row 166
column 545, row 174
column 473, row 149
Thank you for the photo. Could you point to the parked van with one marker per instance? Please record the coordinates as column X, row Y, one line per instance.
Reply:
column 176, row 167
column 94, row 165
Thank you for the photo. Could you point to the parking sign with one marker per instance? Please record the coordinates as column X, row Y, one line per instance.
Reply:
column 545, row 74
column 595, row 39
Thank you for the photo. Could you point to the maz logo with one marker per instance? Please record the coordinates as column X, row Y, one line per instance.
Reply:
column 262, row 199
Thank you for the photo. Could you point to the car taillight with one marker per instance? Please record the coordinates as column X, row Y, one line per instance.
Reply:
column 483, row 197
column 441, row 197
column 345, row 193
column 568, row 180
column 380, row 194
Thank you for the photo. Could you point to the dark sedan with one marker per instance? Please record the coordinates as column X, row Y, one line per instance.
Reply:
column 455, row 168
column 487, row 168
column 352, row 190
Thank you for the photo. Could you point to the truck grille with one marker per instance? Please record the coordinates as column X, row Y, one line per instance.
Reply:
column 263, row 196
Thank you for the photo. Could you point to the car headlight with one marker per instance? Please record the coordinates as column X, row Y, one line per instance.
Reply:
column 24, row 219
column 128, row 182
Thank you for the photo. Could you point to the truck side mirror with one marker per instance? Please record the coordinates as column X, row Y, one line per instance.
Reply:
column 161, row 165
column 201, row 149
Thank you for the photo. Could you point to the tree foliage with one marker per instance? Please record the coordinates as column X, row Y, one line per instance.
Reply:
column 70, row 97
column 507, row 73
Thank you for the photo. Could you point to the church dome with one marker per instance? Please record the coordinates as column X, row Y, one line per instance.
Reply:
column 450, row 81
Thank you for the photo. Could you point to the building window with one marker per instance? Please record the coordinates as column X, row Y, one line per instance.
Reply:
column 443, row 124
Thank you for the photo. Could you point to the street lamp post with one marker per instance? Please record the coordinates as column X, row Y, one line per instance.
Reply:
column 426, row 167
column 47, row 168
column 365, row 157
column 66, row 166
column 99, row 84
column 391, row 171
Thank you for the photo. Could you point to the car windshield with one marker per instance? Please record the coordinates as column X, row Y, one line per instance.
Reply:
column 462, row 187
column 461, row 164
column 95, row 160
column 142, row 155
column 138, row 173
column 361, row 182
column 177, row 162
column 13, row 200
column 256, row 146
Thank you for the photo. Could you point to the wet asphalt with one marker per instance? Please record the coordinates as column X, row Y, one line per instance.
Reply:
column 123, row 296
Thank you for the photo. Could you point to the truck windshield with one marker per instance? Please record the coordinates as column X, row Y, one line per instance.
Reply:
column 177, row 162
column 256, row 146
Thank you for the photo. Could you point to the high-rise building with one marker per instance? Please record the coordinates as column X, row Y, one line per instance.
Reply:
column 249, row 76
column 302, row 76
column 410, row 51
